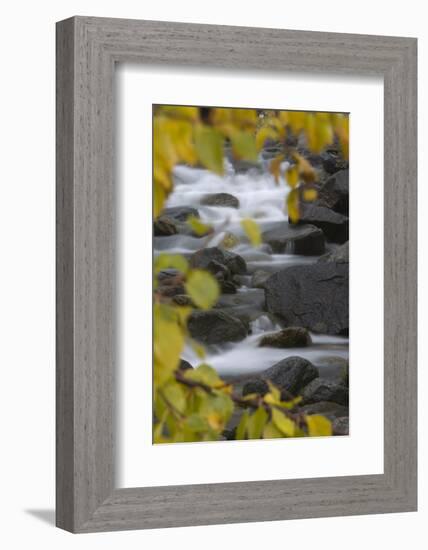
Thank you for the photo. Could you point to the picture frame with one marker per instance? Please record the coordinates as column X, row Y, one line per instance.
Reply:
column 87, row 50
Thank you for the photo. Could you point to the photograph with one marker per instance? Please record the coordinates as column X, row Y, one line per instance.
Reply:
column 250, row 273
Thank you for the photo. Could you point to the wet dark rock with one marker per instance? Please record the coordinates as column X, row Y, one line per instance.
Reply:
column 216, row 327
column 327, row 408
column 332, row 161
column 170, row 291
column 164, row 227
column 259, row 278
column 220, row 199
column 180, row 213
column 325, row 390
column 335, row 226
column 291, row 337
column 256, row 385
column 339, row 255
column 312, row 296
column 289, row 375
column 341, row 426
column 235, row 263
column 334, row 193
column 283, row 237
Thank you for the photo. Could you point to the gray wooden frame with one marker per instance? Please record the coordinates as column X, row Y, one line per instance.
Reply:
column 87, row 50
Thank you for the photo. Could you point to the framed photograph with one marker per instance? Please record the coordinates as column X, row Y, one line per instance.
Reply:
column 236, row 274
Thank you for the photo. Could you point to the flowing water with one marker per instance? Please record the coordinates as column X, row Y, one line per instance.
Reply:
column 261, row 199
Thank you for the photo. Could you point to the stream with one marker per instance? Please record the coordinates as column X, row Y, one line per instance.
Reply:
column 261, row 199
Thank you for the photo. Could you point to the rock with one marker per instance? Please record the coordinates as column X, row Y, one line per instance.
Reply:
column 245, row 166
column 291, row 337
column 332, row 161
column 216, row 327
column 179, row 213
column 259, row 278
column 326, row 408
column 170, row 291
column 163, row 227
column 291, row 375
column 220, row 199
column 325, row 390
column 233, row 262
column 256, row 385
column 312, row 296
column 297, row 239
column 184, row 365
column 335, row 226
column 341, row 426
column 339, row 255
column 333, row 367
column 334, row 193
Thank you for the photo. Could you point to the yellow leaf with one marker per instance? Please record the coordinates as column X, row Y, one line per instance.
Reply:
column 181, row 111
column 296, row 120
column 292, row 176
column 245, row 118
column 310, row 194
column 293, row 208
column 198, row 227
column 275, row 167
column 265, row 133
column 318, row 425
column 306, row 170
column 159, row 197
column 252, row 231
column 244, row 146
column 283, row 423
column 209, row 147
column 271, row 432
column 241, row 430
column 174, row 261
column 203, row 288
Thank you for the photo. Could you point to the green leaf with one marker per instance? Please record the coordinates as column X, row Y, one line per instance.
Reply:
column 242, row 426
column 173, row 394
column 205, row 374
column 198, row 227
column 209, row 147
column 252, row 230
column 175, row 261
column 257, row 423
column 283, row 423
column 318, row 425
column 244, row 146
column 203, row 288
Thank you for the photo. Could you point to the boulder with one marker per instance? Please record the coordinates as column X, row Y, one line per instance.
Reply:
column 335, row 226
column 307, row 240
column 339, row 255
column 341, row 426
column 332, row 161
column 312, row 296
column 325, row 390
column 232, row 261
column 216, row 327
column 326, row 408
column 179, row 213
column 220, row 199
column 334, row 193
column 164, row 227
column 291, row 375
column 259, row 278
column 255, row 385
column 291, row 337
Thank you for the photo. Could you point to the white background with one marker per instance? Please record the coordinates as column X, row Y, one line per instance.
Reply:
column 27, row 272
column 361, row 452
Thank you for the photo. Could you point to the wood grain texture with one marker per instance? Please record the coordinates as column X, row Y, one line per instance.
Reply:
column 87, row 50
